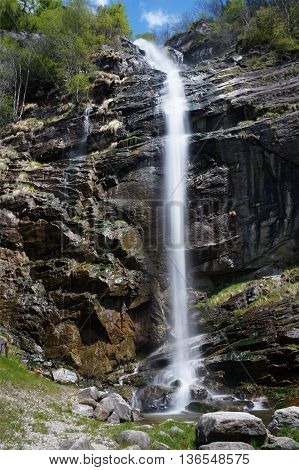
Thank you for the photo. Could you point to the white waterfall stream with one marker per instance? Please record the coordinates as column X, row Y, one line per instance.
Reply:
column 174, row 107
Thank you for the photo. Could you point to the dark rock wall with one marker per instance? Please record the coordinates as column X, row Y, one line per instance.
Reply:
column 83, row 272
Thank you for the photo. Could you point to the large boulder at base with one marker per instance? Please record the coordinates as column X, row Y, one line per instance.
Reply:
column 285, row 417
column 280, row 443
column 64, row 376
column 226, row 446
column 100, row 413
column 139, row 438
column 226, row 426
column 89, row 393
column 155, row 397
column 83, row 443
column 110, row 401
column 83, row 410
column 114, row 403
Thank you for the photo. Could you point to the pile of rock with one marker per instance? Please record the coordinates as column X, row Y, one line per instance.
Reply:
column 104, row 406
column 236, row 430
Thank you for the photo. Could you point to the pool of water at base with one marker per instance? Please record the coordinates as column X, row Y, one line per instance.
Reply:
column 190, row 417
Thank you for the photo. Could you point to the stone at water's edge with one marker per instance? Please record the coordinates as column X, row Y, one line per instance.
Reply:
column 280, row 443
column 230, row 426
column 155, row 397
column 139, row 438
column 285, row 417
column 226, row 446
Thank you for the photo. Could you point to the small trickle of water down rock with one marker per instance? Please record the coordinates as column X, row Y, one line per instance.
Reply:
column 174, row 107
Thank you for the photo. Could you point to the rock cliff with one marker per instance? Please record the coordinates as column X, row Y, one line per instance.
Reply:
column 82, row 272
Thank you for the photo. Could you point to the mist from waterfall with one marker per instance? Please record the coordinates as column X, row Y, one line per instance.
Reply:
column 174, row 107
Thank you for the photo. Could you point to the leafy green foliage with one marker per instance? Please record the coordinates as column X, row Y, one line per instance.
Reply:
column 58, row 55
column 271, row 24
column 287, row 431
column 78, row 86
column 270, row 27
column 112, row 21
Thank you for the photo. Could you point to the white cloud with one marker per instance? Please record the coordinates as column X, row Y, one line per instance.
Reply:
column 158, row 18
column 100, row 3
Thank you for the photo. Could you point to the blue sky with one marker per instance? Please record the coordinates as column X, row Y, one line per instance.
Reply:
column 145, row 15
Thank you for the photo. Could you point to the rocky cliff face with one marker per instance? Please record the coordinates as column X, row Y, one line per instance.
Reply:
column 82, row 249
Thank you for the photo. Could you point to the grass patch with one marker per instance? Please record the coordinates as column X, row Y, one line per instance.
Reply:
column 272, row 291
column 12, row 431
column 14, row 372
column 221, row 296
column 287, row 431
column 174, row 441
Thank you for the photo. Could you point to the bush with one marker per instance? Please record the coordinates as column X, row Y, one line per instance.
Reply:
column 78, row 86
column 269, row 27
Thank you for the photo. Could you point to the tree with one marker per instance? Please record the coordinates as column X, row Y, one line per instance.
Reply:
column 112, row 21
column 10, row 13
column 14, row 76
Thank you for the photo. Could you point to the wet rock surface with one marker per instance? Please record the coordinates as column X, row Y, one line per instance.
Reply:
column 155, row 397
column 285, row 417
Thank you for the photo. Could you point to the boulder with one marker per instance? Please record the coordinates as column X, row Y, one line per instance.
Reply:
column 198, row 392
column 123, row 411
column 155, row 397
column 83, row 410
column 114, row 403
column 83, row 443
column 113, row 419
column 108, row 403
column 225, row 426
column 285, row 417
column 64, row 376
column 89, row 402
column 89, row 393
column 101, row 413
column 133, row 448
column 101, row 447
column 226, row 446
column 111, row 400
column 139, row 438
column 280, row 443
column 136, row 416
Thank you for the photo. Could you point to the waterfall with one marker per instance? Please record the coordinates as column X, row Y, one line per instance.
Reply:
column 174, row 106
